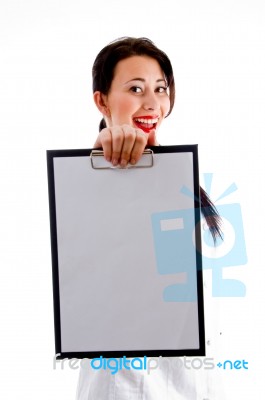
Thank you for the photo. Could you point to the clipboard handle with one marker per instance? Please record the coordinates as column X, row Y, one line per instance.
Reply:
column 98, row 161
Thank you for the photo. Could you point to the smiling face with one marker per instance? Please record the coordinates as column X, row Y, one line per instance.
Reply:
column 138, row 95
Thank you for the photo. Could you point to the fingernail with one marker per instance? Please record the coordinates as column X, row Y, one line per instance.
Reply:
column 133, row 161
column 123, row 163
column 115, row 162
column 108, row 159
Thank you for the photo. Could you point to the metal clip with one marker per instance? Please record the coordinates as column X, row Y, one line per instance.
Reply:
column 98, row 161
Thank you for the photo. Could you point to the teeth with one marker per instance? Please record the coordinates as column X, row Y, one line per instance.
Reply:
column 146, row 121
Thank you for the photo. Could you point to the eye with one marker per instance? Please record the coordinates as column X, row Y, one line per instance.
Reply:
column 136, row 89
column 161, row 89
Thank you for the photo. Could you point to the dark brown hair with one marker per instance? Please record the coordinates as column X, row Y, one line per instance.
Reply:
column 120, row 49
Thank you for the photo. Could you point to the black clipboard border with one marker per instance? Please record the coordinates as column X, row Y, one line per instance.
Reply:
column 51, row 154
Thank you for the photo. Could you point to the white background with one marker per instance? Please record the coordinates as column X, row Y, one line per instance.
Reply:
column 46, row 55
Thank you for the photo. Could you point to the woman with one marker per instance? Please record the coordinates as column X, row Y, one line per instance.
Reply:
column 134, row 89
column 133, row 86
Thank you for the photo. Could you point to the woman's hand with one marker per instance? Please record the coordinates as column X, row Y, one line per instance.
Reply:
column 124, row 144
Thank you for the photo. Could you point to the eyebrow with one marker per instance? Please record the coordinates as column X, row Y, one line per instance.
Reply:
column 143, row 80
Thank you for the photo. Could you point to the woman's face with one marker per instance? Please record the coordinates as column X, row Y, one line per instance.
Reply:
column 138, row 94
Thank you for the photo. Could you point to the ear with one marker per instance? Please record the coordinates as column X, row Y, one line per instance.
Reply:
column 100, row 100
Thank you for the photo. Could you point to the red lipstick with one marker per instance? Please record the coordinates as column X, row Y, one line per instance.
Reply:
column 146, row 122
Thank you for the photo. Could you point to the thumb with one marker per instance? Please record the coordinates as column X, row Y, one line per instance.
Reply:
column 152, row 141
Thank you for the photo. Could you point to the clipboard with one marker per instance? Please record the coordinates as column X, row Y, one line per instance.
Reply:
column 126, row 254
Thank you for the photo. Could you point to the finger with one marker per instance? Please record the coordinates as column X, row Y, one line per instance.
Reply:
column 117, row 135
column 139, row 146
column 152, row 141
column 130, row 135
column 104, row 140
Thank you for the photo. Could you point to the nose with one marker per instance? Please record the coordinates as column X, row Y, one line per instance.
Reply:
column 150, row 101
